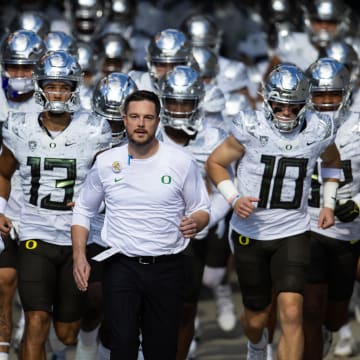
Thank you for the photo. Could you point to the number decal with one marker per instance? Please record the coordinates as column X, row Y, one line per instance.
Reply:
column 314, row 201
column 283, row 164
column 66, row 184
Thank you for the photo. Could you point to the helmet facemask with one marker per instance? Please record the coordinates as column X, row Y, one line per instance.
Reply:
column 181, row 113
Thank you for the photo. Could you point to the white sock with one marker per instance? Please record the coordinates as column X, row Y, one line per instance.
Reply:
column 103, row 352
column 89, row 337
column 345, row 331
column 262, row 343
column 4, row 356
column 55, row 345
column 87, row 347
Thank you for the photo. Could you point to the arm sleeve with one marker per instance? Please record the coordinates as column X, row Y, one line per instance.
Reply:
column 194, row 191
column 89, row 200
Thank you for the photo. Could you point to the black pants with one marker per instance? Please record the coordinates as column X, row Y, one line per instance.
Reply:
column 147, row 298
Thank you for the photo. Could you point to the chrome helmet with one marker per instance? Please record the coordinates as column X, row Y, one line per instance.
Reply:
column 169, row 46
column 182, row 88
column 59, row 40
column 116, row 53
column 58, row 66
column 286, row 85
column 328, row 75
column 207, row 61
column 22, row 47
column 88, row 17
column 332, row 11
column 345, row 54
column 202, row 30
column 31, row 20
column 108, row 98
column 123, row 11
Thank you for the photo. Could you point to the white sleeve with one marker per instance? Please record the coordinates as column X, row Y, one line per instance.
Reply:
column 194, row 191
column 219, row 208
column 89, row 200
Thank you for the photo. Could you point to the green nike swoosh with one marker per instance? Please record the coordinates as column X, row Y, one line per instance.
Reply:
column 117, row 180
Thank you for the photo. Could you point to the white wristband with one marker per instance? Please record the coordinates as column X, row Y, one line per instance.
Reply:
column 332, row 173
column 228, row 190
column 3, row 205
column 330, row 188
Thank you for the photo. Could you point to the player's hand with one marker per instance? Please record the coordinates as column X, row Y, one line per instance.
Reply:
column 346, row 212
column 81, row 272
column 5, row 224
column 188, row 227
column 326, row 218
column 244, row 206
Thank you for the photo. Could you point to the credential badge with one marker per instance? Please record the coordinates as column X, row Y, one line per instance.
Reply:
column 116, row 167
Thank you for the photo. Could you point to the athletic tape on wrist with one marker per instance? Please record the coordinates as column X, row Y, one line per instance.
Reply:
column 330, row 188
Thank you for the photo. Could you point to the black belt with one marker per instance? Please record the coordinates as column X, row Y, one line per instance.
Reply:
column 147, row 260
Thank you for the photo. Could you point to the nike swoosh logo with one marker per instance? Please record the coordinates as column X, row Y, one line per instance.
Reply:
column 342, row 146
column 70, row 143
column 116, row 180
column 310, row 142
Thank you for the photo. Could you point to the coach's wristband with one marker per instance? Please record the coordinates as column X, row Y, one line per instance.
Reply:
column 3, row 205
column 330, row 188
column 229, row 191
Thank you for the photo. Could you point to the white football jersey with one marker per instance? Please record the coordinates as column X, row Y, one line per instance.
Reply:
column 52, row 169
column 277, row 169
column 348, row 143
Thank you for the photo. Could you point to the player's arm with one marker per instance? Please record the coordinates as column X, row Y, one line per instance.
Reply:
column 217, row 168
column 86, row 207
column 330, row 172
column 8, row 165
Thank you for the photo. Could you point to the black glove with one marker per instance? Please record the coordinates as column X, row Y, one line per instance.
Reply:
column 346, row 212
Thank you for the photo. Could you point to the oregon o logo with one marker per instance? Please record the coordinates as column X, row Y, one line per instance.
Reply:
column 166, row 179
column 244, row 240
column 31, row 244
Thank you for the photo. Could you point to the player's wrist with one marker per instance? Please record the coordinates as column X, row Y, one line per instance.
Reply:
column 330, row 189
column 228, row 189
column 3, row 205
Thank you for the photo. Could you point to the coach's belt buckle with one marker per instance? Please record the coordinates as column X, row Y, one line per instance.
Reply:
column 146, row 260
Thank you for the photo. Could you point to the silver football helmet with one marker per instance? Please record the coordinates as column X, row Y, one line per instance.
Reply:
column 58, row 40
column 169, row 46
column 116, row 53
column 202, row 30
column 334, row 11
column 31, row 20
column 108, row 98
column 22, row 47
column 345, row 54
column 207, row 61
column 88, row 17
column 286, row 85
column 58, row 66
column 328, row 75
column 182, row 93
